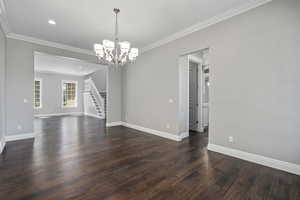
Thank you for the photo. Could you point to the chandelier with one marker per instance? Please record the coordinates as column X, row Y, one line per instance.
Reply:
column 115, row 52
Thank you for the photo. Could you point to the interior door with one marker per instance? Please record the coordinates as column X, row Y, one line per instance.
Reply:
column 193, row 96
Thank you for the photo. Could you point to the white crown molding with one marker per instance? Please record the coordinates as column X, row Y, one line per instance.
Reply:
column 11, row 35
column 49, row 44
column 202, row 25
column 17, row 137
column 269, row 162
column 60, row 73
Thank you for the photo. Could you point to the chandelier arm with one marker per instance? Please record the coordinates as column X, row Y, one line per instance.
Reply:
column 120, row 53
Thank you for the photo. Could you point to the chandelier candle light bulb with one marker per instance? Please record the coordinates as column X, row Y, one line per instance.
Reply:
column 114, row 52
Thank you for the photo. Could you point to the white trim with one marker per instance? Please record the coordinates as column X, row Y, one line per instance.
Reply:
column 202, row 25
column 183, row 90
column 154, row 132
column 3, row 19
column 269, row 162
column 16, row 137
column 50, row 44
column 200, row 129
column 2, row 7
column 111, row 124
column 58, row 114
column 92, row 115
column 60, row 73
column 184, row 135
column 196, row 59
column 2, row 145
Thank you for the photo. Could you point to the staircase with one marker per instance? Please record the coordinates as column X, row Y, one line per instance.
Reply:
column 95, row 103
column 97, row 106
column 104, row 96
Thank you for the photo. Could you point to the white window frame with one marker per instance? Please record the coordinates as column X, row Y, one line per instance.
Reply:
column 76, row 93
column 41, row 92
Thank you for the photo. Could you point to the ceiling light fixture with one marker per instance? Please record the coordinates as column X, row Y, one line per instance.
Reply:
column 51, row 21
column 115, row 53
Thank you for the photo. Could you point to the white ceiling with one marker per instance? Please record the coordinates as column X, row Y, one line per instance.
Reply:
column 80, row 23
column 63, row 65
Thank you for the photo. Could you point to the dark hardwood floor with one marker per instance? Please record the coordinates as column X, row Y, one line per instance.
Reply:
column 76, row 157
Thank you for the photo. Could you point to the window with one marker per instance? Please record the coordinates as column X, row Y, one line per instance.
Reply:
column 37, row 93
column 69, row 89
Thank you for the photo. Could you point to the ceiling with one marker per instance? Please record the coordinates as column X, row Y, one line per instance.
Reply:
column 81, row 23
column 63, row 65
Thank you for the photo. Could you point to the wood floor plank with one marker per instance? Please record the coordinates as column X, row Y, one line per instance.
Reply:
column 77, row 157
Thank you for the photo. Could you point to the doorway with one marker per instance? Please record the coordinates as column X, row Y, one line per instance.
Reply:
column 68, row 86
column 194, row 92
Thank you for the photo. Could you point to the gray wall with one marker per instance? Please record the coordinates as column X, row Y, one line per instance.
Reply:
column 99, row 78
column 52, row 93
column 114, row 95
column 254, row 90
column 20, row 76
column 2, row 85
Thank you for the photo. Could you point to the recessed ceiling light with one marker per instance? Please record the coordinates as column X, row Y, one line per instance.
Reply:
column 51, row 21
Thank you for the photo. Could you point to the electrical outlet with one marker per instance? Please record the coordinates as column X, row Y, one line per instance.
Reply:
column 230, row 139
column 19, row 127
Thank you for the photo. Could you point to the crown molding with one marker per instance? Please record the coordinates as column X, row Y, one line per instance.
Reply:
column 197, row 27
column 59, row 73
column 202, row 25
column 9, row 34
column 48, row 43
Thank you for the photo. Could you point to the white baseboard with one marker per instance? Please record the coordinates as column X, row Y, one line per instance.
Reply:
column 58, row 114
column 2, row 145
column 154, row 132
column 201, row 130
column 111, row 124
column 16, row 137
column 92, row 115
column 184, row 135
column 266, row 161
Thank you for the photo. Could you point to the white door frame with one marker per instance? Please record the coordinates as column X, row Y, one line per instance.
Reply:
column 183, row 101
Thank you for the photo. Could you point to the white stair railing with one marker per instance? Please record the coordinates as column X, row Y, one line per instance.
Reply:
column 91, row 87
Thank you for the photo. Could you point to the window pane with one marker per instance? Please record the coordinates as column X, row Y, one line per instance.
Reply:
column 37, row 94
column 69, row 94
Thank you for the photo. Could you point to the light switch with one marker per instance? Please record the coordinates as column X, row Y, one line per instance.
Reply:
column 25, row 101
column 171, row 101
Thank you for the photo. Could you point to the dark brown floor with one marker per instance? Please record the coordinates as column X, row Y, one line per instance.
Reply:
column 77, row 158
